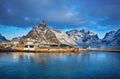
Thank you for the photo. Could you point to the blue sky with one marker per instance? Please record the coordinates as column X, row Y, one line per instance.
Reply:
column 17, row 17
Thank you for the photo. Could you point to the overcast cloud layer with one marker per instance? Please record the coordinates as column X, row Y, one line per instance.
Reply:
column 100, row 15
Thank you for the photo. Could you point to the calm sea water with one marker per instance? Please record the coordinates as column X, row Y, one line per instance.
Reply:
column 85, row 65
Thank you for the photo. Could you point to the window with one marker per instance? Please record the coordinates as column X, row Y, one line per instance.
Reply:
column 31, row 46
column 26, row 46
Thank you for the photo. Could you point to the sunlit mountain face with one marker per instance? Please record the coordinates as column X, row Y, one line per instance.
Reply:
column 99, row 16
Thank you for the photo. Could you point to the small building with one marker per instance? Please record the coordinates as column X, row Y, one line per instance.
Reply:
column 29, row 44
column 29, row 47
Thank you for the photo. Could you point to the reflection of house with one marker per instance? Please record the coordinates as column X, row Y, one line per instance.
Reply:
column 16, row 56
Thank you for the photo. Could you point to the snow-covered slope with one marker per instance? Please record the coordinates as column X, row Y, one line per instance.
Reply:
column 112, row 38
column 3, row 39
column 83, row 36
column 63, row 37
column 108, row 37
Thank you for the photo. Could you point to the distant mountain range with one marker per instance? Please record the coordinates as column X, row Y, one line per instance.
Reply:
column 83, row 36
column 45, row 35
column 3, row 39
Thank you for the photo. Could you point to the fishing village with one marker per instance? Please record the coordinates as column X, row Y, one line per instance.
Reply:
column 30, row 45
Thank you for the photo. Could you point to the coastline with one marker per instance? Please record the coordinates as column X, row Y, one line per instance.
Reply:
column 74, row 50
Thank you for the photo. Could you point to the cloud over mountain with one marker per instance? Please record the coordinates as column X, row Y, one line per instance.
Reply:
column 95, row 15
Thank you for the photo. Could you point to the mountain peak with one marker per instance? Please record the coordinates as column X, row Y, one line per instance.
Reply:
column 85, row 31
column 42, row 23
column 40, row 27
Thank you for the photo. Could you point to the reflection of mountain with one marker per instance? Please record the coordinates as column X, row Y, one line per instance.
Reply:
column 41, row 59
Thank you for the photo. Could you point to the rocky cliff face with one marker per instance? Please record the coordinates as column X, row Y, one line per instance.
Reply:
column 3, row 39
column 112, row 38
column 45, row 35
column 83, row 36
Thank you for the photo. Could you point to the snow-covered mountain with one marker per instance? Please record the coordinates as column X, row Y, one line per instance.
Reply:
column 45, row 35
column 3, row 39
column 112, row 38
column 83, row 36
column 108, row 37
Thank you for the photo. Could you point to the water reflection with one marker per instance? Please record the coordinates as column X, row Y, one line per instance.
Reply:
column 37, row 58
column 59, row 65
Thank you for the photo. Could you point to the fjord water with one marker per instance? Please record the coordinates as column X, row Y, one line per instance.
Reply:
column 85, row 65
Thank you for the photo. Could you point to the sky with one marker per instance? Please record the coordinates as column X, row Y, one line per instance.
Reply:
column 17, row 17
